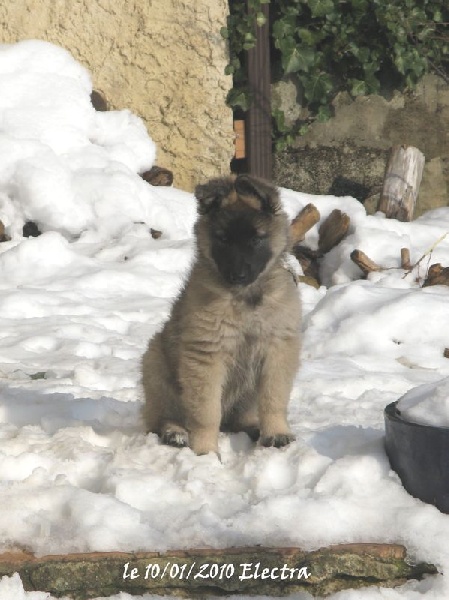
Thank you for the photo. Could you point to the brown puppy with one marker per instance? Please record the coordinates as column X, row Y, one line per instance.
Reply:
column 228, row 354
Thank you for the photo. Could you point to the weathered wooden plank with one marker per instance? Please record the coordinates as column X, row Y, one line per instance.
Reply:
column 245, row 570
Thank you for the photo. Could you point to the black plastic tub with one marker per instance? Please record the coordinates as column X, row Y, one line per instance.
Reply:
column 420, row 456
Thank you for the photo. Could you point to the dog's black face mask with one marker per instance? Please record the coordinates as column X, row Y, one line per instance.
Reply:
column 240, row 251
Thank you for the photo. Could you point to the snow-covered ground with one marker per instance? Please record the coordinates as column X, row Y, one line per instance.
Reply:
column 79, row 303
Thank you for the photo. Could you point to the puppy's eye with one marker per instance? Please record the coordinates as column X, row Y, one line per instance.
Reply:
column 258, row 239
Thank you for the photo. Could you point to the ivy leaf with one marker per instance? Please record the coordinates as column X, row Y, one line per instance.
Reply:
column 359, row 4
column 307, row 36
column 425, row 32
column 371, row 82
column 261, row 19
column 279, row 118
column 298, row 59
column 360, row 52
column 437, row 17
column 239, row 97
column 321, row 8
column 358, row 87
column 316, row 86
column 324, row 113
column 283, row 28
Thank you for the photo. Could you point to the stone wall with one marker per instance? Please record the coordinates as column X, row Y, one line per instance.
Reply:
column 347, row 155
column 164, row 60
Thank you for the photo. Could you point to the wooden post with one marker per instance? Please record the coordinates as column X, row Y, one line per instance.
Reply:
column 259, row 143
column 401, row 183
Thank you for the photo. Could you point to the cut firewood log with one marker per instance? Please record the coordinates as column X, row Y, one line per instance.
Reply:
column 155, row 233
column 401, row 183
column 98, row 100
column 437, row 275
column 4, row 237
column 303, row 221
column 30, row 229
column 158, row 176
column 308, row 259
column 405, row 259
column 364, row 262
column 190, row 573
column 308, row 281
column 333, row 230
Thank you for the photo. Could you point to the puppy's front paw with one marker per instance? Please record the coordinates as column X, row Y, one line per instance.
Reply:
column 278, row 440
column 179, row 439
column 203, row 441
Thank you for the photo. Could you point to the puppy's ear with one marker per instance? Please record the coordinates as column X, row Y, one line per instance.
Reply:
column 211, row 194
column 266, row 193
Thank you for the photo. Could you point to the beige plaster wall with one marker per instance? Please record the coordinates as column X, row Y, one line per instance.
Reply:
column 162, row 59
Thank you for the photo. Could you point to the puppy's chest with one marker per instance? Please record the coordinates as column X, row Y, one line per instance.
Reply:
column 225, row 325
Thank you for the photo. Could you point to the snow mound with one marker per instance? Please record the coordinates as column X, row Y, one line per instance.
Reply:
column 427, row 404
column 62, row 164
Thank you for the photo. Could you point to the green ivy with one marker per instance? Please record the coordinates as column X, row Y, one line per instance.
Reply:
column 328, row 46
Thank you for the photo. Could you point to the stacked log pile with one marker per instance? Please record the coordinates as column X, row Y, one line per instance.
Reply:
column 397, row 200
column 331, row 232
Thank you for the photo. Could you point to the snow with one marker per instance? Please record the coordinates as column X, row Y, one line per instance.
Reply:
column 79, row 303
column 427, row 404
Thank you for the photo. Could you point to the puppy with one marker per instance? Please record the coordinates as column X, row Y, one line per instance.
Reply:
column 227, row 357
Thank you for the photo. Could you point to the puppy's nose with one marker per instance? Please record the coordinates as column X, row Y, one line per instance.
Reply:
column 239, row 277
